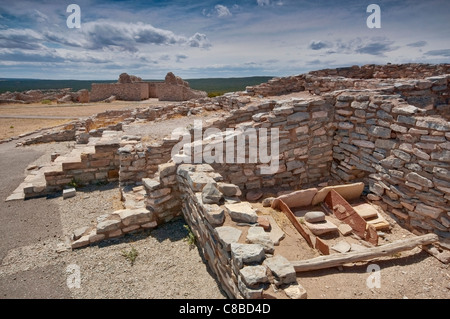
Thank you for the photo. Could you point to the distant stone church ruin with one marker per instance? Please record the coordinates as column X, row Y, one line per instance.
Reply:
column 132, row 88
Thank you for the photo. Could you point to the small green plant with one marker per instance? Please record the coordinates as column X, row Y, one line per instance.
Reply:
column 12, row 126
column 74, row 183
column 46, row 102
column 190, row 238
column 101, row 183
column 301, row 220
column 130, row 255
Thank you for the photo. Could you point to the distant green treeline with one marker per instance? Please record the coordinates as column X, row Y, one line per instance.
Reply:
column 213, row 86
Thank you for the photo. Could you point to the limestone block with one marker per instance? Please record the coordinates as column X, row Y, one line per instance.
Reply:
column 228, row 235
column 321, row 228
column 134, row 216
column 214, row 214
column 242, row 212
column 246, row 254
column 249, row 293
column 281, row 269
column 257, row 235
column 211, row 195
column 108, row 225
column 253, row 276
column 229, row 189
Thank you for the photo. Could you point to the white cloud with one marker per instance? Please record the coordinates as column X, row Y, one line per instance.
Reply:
column 263, row 3
column 222, row 11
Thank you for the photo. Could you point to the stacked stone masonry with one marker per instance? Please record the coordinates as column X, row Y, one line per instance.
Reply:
column 387, row 127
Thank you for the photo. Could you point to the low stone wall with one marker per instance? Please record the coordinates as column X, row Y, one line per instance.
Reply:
column 393, row 71
column 365, row 77
column 401, row 154
column 123, row 91
column 97, row 164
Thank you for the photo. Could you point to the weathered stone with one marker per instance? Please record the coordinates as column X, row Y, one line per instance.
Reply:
column 134, row 216
column 246, row 254
column 296, row 291
column 276, row 234
column 425, row 210
column 345, row 229
column 151, row 184
column 79, row 232
column 198, row 180
column 211, row 195
column 249, row 293
column 214, row 214
column 254, row 275
column 166, row 169
column 68, row 193
column 405, row 110
column 254, row 195
column 228, row 235
column 379, row 131
column 281, row 269
column 298, row 117
column 242, row 212
column 108, row 225
column 321, row 228
column 297, row 199
column 341, row 246
column 267, row 202
column 81, row 242
column 257, row 235
column 363, row 143
column 229, row 189
column 348, row 192
column 418, row 179
column 314, row 217
column 264, row 222
column 443, row 156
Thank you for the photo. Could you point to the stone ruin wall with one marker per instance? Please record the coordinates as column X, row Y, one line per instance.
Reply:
column 122, row 91
column 400, row 151
column 131, row 88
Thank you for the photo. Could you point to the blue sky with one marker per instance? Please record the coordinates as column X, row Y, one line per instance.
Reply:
column 198, row 39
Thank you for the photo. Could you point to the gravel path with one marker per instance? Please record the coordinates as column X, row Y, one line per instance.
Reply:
column 32, row 232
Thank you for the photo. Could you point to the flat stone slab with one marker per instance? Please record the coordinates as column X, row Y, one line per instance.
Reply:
column 242, row 212
column 321, row 228
column 275, row 233
column 282, row 270
column 315, row 217
column 341, row 246
column 254, row 275
column 345, row 229
column 366, row 210
column 228, row 235
column 16, row 196
column 297, row 199
column 257, row 235
column 68, row 193
column 246, row 253
column 348, row 192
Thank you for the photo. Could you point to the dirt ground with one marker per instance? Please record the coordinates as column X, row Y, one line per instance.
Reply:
column 17, row 119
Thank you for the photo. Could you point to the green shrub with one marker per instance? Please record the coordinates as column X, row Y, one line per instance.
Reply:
column 46, row 102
